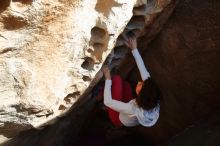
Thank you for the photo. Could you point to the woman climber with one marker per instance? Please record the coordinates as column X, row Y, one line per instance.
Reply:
column 123, row 109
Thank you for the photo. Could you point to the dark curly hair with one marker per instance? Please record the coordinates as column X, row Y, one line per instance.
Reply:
column 149, row 95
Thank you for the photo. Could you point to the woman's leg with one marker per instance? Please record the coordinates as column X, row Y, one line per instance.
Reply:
column 127, row 92
column 117, row 94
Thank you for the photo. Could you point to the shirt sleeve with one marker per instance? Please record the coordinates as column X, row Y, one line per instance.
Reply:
column 115, row 104
column 140, row 63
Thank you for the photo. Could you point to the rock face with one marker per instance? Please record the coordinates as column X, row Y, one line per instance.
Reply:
column 50, row 52
column 184, row 61
column 194, row 135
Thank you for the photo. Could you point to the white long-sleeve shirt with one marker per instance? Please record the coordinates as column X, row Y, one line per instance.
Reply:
column 130, row 114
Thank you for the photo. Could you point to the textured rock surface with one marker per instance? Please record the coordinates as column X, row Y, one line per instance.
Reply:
column 184, row 62
column 50, row 51
column 55, row 50
column 62, row 132
column 205, row 133
column 144, row 20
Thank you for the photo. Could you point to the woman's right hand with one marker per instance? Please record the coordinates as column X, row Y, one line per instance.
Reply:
column 106, row 72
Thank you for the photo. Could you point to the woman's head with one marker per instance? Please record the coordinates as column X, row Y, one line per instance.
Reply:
column 149, row 95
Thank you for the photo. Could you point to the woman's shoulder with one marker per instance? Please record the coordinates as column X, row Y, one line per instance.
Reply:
column 133, row 101
column 134, row 105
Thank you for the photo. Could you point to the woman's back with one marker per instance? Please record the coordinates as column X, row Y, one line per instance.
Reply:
column 139, row 115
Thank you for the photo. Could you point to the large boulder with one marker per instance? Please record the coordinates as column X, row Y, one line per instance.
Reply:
column 45, row 69
column 184, row 61
column 50, row 52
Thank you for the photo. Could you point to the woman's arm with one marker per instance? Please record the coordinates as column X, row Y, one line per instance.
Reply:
column 140, row 63
column 115, row 104
column 108, row 101
column 132, row 44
